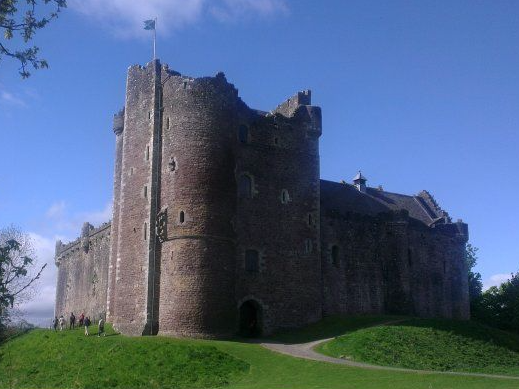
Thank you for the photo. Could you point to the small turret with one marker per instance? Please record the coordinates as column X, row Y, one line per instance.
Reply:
column 85, row 236
column 118, row 125
column 360, row 182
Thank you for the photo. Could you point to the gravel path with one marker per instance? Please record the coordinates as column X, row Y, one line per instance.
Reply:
column 306, row 351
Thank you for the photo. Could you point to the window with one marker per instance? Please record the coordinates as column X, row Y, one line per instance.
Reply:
column 308, row 246
column 149, row 115
column 145, row 191
column 147, row 153
column 310, row 220
column 243, row 134
column 245, row 186
column 167, row 122
column 172, row 164
column 335, row 256
column 285, row 198
column 252, row 261
column 181, row 217
column 145, row 231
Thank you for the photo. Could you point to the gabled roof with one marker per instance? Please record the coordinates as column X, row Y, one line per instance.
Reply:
column 344, row 198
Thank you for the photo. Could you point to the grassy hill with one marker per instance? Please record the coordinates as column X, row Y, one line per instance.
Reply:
column 43, row 359
column 440, row 345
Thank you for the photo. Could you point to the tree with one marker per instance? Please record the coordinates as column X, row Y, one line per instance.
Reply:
column 475, row 283
column 18, row 272
column 499, row 305
column 25, row 23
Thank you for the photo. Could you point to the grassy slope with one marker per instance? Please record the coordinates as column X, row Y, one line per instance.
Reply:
column 68, row 360
column 431, row 345
column 46, row 359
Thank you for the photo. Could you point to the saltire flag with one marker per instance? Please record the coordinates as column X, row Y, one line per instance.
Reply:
column 149, row 24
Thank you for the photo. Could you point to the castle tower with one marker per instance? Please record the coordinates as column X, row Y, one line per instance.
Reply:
column 133, row 253
column 198, row 205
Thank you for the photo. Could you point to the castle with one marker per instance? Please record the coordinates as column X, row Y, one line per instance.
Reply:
column 221, row 224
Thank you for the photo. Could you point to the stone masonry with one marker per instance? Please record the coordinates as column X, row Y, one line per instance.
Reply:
column 221, row 224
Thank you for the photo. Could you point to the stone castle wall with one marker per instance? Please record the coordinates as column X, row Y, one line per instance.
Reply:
column 390, row 264
column 82, row 280
column 280, row 219
column 202, row 182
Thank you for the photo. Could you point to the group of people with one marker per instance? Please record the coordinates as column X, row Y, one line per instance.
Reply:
column 83, row 321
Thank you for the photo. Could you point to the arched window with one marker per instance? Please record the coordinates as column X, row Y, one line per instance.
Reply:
column 285, row 198
column 181, row 217
column 252, row 261
column 335, row 256
column 245, row 186
column 243, row 134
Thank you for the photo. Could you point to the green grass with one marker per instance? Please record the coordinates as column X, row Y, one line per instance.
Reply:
column 68, row 359
column 330, row 327
column 43, row 359
column 439, row 345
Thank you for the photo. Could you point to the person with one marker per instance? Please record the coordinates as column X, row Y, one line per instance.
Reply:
column 72, row 321
column 55, row 323
column 86, row 323
column 101, row 327
column 81, row 319
column 61, row 322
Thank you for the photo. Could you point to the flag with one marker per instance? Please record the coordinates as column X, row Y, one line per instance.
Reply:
column 149, row 24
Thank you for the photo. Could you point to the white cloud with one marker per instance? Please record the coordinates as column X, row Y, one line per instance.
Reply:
column 40, row 309
column 56, row 210
column 97, row 217
column 227, row 10
column 495, row 280
column 12, row 99
column 125, row 18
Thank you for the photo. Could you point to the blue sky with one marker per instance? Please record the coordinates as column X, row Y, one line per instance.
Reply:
column 419, row 95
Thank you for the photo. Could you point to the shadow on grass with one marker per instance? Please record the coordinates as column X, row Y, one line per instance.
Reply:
column 330, row 327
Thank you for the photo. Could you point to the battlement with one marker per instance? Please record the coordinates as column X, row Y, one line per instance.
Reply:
column 88, row 233
column 289, row 107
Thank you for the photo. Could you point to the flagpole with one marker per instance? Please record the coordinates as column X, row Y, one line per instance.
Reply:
column 155, row 39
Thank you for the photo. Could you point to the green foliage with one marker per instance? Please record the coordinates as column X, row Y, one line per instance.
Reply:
column 26, row 22
column 499, row 306
column 44, row 359
column 431, row 345
column 475, row 283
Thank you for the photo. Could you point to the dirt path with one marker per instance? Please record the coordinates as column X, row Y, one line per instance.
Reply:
column 306, row 351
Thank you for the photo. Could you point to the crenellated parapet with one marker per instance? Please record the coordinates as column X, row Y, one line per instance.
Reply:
column 89, row 235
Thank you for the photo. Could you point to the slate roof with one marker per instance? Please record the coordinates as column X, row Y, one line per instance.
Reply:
column 343, row 197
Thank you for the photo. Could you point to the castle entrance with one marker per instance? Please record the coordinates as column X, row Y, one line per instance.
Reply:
column 250, row 319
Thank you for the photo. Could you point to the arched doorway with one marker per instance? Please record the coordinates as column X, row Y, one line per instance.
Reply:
column 250, row 319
